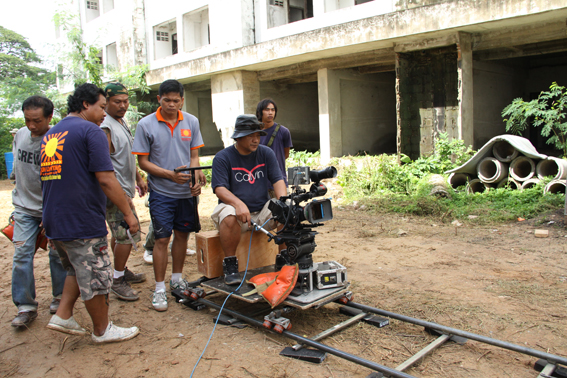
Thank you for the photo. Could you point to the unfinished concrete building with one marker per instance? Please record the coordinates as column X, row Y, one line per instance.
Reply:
column 349, row 76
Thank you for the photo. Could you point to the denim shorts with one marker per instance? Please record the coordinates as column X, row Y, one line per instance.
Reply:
column 170, row 214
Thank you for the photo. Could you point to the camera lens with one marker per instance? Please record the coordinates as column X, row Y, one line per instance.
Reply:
column 322, row 174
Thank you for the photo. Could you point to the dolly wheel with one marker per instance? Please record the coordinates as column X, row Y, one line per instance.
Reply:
column 267, row 324
column 344, row 300
column 278, row 328
column 288, row 327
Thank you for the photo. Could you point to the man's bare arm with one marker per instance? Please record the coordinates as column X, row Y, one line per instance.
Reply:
column 280, row 189
column 154, row 170
column 242, row 211
column 114, row 192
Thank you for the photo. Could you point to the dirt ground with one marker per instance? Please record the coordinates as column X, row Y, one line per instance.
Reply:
column 498, row 281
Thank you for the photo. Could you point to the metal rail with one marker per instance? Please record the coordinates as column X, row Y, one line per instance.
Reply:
column 552, row 358
column 303, row 340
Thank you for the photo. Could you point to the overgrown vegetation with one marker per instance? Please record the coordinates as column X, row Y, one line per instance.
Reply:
column 382, row 185
column 547, row 112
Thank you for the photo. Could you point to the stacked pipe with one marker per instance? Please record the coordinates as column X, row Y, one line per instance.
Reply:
column 507, row 167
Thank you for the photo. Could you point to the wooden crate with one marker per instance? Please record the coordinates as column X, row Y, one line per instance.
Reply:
column 210, row 253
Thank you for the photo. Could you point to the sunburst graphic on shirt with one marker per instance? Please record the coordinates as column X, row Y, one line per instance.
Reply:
column 52, row 147
column 185, row 134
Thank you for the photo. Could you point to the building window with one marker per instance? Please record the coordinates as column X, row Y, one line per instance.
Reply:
column 165, row 42
column 196, row 29
column 281, row 12
column 162, row 36
column 111, row 55
column 92, row 5
column 92, row 10
column 358, row 2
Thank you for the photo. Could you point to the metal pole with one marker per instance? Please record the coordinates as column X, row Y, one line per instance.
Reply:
column 334, row 329
column 453, row 331
column 360, row 361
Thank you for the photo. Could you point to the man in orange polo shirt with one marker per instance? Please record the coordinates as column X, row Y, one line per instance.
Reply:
column 165, row 140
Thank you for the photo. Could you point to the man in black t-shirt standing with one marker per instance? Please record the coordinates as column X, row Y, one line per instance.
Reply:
column 242, row 174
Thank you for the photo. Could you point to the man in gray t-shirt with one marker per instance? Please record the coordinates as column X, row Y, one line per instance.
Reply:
column 28, row 204
column 120, row 142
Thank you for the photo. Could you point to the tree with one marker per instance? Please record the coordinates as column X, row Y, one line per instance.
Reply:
column 82, row 63
column 20, row 74
column 547, row 111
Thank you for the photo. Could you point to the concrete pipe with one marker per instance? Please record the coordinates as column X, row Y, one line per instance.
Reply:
column 555, row 186
column 504, row 151
column 475, row 186
column 530, row 183
column 491, row 170
column 458, row 179
column 554, row 167
column 509, row 182
column 522, row 168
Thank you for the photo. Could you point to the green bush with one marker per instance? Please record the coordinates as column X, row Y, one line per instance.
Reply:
column 547, row 111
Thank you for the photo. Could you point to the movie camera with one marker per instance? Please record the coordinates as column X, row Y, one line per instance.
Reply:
column 297, row 232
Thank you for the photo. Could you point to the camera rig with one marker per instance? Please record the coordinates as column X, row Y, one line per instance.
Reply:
column 297, row 232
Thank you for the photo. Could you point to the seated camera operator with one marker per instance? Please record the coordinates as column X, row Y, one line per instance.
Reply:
column 242, row 174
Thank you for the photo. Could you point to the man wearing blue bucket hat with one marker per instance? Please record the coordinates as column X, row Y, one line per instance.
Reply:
column 28, row 205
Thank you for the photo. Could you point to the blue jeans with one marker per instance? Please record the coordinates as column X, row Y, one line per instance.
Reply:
column 26, row 229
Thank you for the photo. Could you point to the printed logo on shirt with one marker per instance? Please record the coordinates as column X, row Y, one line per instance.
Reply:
column 185, row 134
column 248, row 175
column 51, row 159
column 28, row 157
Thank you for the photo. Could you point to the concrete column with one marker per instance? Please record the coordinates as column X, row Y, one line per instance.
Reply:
column 330, row 127
column 190, row 103
column 465, row 67
column 232, row 94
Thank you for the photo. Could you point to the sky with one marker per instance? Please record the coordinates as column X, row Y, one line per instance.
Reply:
column 33, row 19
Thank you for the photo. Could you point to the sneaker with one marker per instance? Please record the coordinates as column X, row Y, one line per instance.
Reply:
column 115, row 334
column 23, row 319
column 181, row 284
column 148, row 257
column 190, row 252
column 69, row 326
column 121, row 288
column 230, row 270
column 54, row 305
column 132, row 277
column 159, row 301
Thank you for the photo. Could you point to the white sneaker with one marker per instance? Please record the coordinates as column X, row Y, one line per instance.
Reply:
column 114, row 334
column 159, row 301
column 148, row 257
column 69, row 326
column 190, row 252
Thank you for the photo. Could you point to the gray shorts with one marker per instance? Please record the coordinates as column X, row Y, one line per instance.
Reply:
column 223, row 210
column 88, row 260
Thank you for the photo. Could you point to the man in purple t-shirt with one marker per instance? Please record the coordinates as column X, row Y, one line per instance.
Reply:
column 277, row 137
column 78, row 176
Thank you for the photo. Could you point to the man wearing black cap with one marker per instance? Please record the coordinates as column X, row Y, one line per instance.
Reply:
column 242, row 174
column 120, row 142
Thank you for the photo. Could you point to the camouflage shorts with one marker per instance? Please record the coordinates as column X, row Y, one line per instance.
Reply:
column 113, row 217
column 88, row 260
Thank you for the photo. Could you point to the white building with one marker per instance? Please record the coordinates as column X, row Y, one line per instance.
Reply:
column 347, row 75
